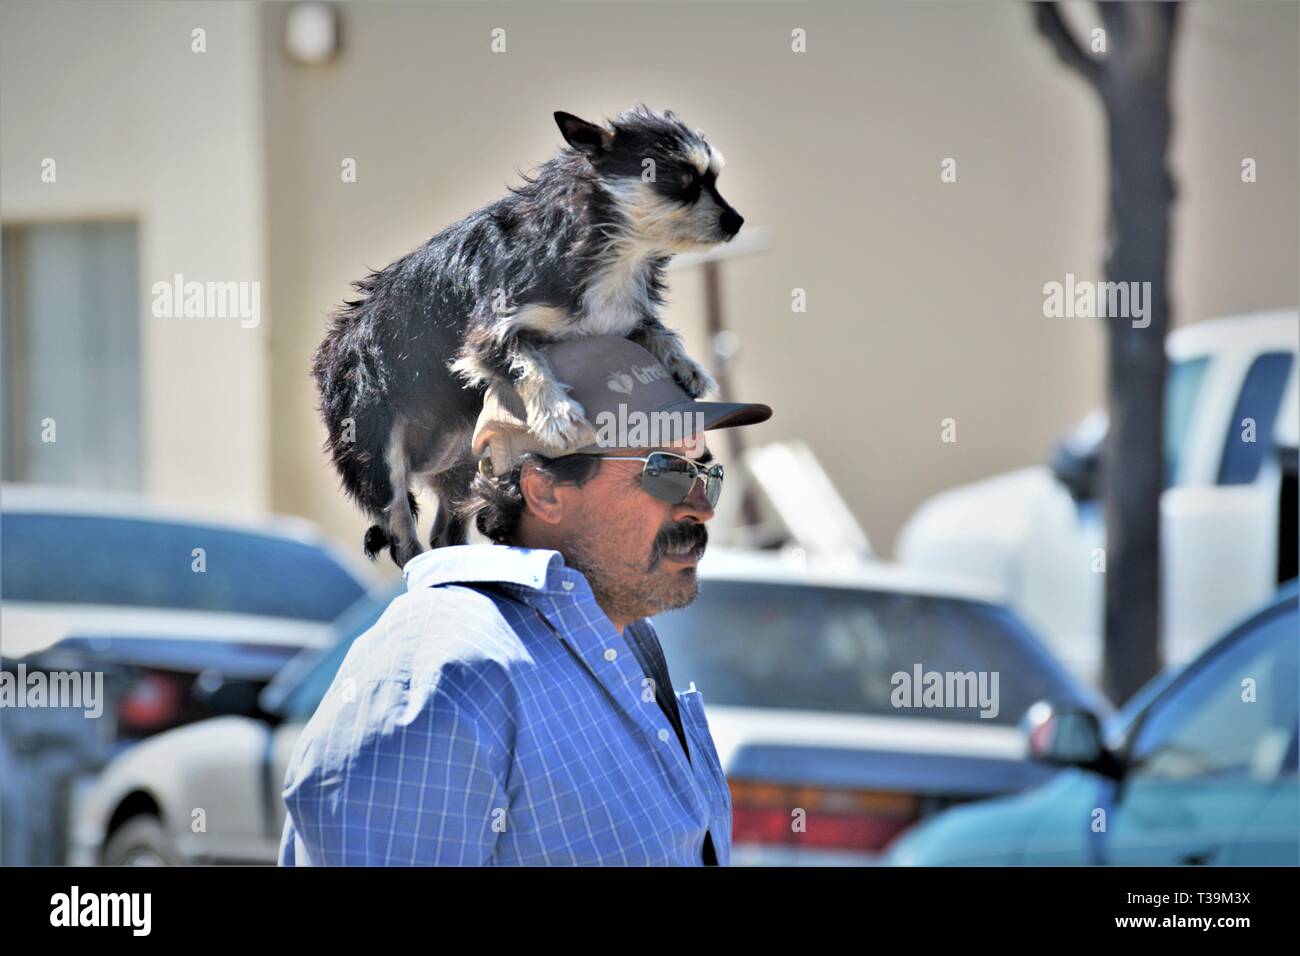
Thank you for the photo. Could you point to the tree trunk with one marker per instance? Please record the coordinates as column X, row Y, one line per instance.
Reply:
column 1132, row 81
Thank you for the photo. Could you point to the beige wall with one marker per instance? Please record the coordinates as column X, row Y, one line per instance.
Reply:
column 142, row 128
column 924, row 300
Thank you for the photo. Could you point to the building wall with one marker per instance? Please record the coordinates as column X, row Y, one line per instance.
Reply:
column 924, row 300
column 142, row 128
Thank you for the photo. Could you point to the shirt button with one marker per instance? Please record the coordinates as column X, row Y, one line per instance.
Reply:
column 611, row 654
column 567, row 585
column 663, row 735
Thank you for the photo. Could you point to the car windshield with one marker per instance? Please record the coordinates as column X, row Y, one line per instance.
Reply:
column 131, row 562
column 1200, row 728
column 839, row 650
column 1181, row 390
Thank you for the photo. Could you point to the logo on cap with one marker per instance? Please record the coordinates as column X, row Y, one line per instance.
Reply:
column 645, row 374
column 620, row 382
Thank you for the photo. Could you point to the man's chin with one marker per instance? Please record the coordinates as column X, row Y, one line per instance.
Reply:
column 681, row 588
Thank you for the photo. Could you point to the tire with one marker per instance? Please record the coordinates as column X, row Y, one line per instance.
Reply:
column 141, row 841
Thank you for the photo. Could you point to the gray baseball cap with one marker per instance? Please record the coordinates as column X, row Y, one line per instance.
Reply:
column 630, row 400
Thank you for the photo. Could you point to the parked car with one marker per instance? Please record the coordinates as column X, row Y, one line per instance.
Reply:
column 1228, row 536
column 128, row 680
column 794, row 663
column 1200, row 768
column 62, row 549
column 174, row 611
column 140, row 810
column 89, row 582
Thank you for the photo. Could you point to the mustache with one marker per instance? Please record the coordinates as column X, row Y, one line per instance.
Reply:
column 685, row 535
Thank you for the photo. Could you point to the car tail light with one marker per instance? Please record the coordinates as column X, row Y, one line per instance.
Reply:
column 860, row 820
column 153, row 701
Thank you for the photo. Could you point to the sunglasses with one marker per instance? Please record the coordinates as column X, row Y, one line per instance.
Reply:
column 671, row 477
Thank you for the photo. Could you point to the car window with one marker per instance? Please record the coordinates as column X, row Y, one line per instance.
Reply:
column 1259, row 401
column 96, row 559
column 1120, row 724
column 309, row 690
column 1234, row 718
column 838, row 649
column 1181, row 391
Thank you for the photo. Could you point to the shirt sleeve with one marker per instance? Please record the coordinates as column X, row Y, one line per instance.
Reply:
column 408, row 772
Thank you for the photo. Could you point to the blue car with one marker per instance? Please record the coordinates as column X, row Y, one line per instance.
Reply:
column 1200, row 768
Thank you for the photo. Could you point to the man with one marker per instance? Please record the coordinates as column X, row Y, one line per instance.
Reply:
column 514, row 706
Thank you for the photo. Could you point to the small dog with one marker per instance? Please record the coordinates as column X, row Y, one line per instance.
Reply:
column 579, row 249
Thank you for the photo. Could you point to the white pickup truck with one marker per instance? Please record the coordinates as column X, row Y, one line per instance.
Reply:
column 1228, row 512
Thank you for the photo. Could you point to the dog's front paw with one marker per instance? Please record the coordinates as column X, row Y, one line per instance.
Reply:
column 560, row 423
column 691, row 376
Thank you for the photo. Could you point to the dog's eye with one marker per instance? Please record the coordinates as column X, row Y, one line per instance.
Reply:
column 688, row 179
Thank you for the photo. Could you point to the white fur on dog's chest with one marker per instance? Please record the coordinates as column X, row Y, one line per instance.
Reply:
column 618, row 297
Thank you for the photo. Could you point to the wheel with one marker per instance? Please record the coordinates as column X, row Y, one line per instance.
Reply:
column 140, row 841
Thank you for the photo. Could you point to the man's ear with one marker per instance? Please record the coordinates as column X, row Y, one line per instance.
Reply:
column 539, row 494
column 587, row 138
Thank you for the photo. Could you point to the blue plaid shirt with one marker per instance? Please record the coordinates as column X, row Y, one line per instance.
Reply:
column 463, row 730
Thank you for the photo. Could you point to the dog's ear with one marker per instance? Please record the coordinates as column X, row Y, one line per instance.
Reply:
column 587, row 138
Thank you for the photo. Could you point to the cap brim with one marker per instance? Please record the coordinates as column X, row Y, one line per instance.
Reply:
column 688, row 413
column 724, row 414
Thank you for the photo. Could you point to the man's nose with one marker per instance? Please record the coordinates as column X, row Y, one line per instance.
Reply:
column 695, row 506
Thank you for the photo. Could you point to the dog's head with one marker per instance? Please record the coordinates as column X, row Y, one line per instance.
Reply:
column 663, row 175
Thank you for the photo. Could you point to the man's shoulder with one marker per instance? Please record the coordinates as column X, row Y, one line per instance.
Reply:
column 431, row 649
column 431, row 625
column 435, row 674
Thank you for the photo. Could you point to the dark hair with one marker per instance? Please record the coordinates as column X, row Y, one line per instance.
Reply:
column 495, row 504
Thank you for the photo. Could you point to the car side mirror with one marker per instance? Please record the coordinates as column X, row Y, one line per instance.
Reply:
column 1067, row 737
column 1077, row 458
column 1078, row 470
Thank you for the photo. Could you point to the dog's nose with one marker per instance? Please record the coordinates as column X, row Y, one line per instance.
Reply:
column 731, row 221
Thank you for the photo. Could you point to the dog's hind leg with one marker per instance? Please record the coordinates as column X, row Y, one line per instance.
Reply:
column 403, row 535
column 452, row 485
column 447, row 469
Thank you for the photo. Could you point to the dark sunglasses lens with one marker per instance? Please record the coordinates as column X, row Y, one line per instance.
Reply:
column 671, row 479
column 668, row 479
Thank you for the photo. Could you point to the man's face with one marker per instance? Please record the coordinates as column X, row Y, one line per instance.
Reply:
column 638, row 553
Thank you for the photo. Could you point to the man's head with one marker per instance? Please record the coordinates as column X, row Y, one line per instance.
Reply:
column 627, row 505
column 637, row 551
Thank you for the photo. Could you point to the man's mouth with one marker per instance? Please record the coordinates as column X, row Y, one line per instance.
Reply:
column 684, row 553
column 681, row 544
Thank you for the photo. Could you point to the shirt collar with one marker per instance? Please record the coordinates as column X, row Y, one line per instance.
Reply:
column 483, row 563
